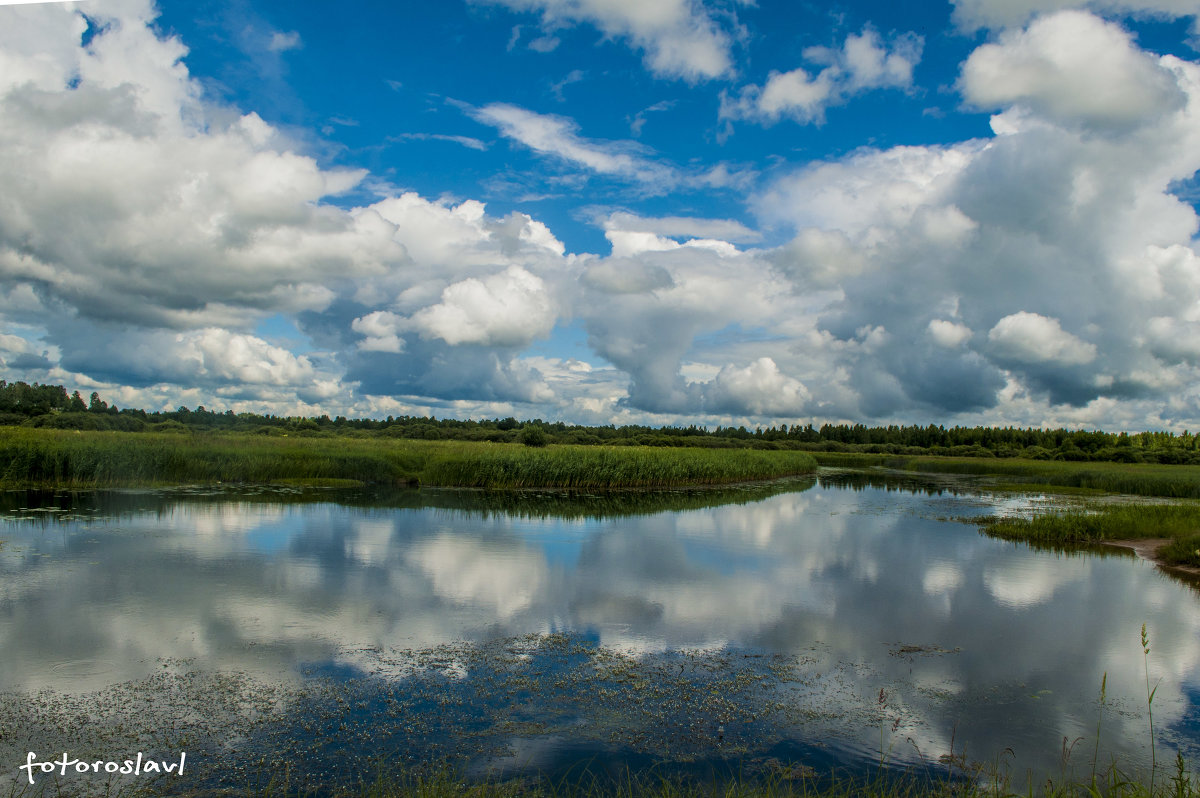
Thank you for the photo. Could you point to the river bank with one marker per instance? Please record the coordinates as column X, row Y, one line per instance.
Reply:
column 56, row 459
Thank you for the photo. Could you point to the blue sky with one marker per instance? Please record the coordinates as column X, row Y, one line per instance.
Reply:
column 603, row 211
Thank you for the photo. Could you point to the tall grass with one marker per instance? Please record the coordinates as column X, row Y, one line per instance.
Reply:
column 512, row 466
column 1098, row 523
column 1142, row 479
column 54, row 458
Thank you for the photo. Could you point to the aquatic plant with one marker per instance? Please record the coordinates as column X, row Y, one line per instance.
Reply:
column 1095, row 523
column 1142, row 479
column 1149, row 703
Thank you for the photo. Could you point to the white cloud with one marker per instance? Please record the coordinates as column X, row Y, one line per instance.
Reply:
column 863, row 63
column 380, row 330
column 868, row 190
column 1072, row 67
column 679, row 38
column 130, row 202
column 466, row 141
column 949, row 334
column 284, row 41
column 758, row 389
column 1032, row 338
column 1174, row 340
column 681, row 227
column 558, row 137
column 145, row 218
column 1058, row 238
column 973, row 14
column 507, row 309
column 242, row 359
column 136, row 254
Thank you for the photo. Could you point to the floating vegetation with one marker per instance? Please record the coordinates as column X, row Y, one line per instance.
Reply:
column 538, row 703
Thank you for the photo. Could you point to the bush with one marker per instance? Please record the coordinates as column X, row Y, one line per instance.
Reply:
column 533, row 435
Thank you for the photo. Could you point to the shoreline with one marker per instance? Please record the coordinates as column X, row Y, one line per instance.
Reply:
column 1147, row 549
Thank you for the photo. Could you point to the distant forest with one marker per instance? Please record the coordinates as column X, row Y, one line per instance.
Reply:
column 51, row 406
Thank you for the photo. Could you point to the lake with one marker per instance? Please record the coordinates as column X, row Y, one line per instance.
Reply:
column 776, row 629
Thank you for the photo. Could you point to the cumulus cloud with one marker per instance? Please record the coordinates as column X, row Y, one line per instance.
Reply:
column 381, row 332
column 1031, row 338
column 758, row 389
column 507, row 309
column 146, row 218
column 949, row 334
column 1174, row 340
column 211, row 358
column 872, row 190
column 1072, row 67
column 130, row 203
column 1056, row 240
column 973, row 14
column 679, row 38
column 864, row 62
column 20, row 354
column 1045, row 274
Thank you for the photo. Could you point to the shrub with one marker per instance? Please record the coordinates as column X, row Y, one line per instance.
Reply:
column 533, row 435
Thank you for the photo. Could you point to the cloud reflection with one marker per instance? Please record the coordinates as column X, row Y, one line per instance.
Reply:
column 978, row 640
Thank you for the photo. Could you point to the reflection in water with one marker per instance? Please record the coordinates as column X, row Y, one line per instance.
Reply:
column 728, row 625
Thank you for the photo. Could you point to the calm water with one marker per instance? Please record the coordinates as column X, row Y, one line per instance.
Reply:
column 753, row 629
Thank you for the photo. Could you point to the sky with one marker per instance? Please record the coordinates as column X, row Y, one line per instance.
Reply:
column 652, row 212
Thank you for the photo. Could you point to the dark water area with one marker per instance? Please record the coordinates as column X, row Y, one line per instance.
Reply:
column 778, row 629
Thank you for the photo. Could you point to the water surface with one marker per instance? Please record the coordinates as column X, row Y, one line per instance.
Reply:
column 770, row 628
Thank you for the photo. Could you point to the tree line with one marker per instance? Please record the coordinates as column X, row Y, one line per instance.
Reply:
column 52, row 406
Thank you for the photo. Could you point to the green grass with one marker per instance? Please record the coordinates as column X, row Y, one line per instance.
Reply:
column 1097, row 523
column 70, row 459
column 515, row 466
column 1142, row 479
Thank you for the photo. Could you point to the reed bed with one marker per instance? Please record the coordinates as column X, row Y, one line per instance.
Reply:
column 514, row 466
column 71, row 459
column 1141, row 479
column 1098, row 523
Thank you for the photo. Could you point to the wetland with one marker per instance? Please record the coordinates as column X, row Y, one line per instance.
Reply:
column 776, row 630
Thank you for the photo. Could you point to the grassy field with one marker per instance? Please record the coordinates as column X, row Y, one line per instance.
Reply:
column 69, row 459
